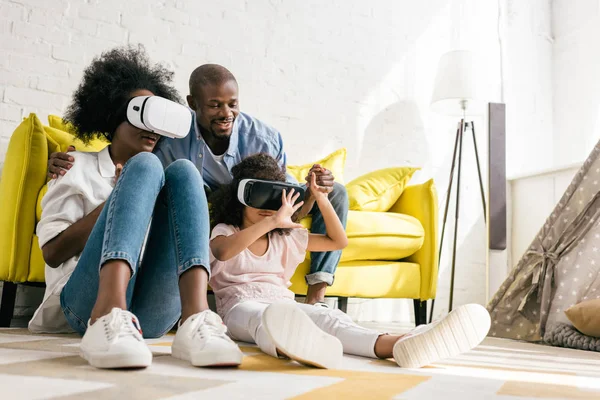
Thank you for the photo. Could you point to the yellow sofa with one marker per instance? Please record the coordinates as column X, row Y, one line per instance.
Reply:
column 391, row 254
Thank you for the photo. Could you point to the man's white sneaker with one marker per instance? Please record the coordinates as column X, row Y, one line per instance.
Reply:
column 115, row 341
column 458, row 332
column 202, row 340
column 296, row 336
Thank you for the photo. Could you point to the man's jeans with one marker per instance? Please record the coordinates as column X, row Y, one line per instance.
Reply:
column 173, row 203
column 324, row 264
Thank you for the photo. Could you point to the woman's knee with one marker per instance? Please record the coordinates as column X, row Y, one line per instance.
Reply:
column 145, row 164
column 183, row 177
column 183, row 170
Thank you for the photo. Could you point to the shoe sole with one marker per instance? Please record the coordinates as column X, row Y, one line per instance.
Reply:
column 462, row 330
column 296, row 336
column 211, row 359
column 113, row 361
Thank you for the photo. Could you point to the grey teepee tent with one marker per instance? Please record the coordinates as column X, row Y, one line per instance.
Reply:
column 559, row 269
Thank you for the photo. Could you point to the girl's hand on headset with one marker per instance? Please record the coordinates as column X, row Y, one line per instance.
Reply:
column 283, row 217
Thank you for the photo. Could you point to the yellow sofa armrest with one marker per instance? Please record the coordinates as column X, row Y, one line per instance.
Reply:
column 23, row 175
column 421, row 202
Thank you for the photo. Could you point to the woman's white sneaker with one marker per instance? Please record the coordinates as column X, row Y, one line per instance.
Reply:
column 202, row 340
column 115, row 341
column 458, row 332
column 296, row 336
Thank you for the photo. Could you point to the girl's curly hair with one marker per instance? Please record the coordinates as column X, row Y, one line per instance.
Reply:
column 225, row 206
column 99, row 103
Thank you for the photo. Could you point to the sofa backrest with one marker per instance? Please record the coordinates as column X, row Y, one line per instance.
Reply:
column 23, row 177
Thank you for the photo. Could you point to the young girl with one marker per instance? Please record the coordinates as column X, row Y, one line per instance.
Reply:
column 254, row 253
column 94, row 223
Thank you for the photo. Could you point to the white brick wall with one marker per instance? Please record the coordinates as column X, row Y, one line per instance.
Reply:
column 528, row 93
column 576, row 63
column 528, row 85
column 326, row 73
column 559, row 117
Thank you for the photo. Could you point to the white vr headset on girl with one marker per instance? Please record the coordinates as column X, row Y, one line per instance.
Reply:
column 159, row 115
column 265, row 195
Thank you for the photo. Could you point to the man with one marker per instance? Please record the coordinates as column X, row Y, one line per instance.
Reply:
column 220, row 137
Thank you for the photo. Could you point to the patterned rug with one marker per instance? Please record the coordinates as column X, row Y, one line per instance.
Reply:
column 42, row 367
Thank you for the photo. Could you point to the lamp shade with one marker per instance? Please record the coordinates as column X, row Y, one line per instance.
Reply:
column 458, row 82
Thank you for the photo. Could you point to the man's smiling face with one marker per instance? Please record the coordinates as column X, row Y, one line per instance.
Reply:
column 216, row 107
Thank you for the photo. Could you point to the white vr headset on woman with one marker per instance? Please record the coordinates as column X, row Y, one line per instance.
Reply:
column 265, row 195
column 159, row 115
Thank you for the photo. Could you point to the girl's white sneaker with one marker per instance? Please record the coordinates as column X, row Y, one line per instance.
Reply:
column 456, row 333
column 296, row 336
column 202, row 340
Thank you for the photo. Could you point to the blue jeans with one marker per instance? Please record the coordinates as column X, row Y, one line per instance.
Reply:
column 173, row 204
column 324, row 264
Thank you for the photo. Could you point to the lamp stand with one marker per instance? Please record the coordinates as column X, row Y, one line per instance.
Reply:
column 463, row 126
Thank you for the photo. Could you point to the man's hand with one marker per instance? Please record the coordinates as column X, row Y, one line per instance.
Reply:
column 317, row 192
column 59, row 163
column 324, row 180
column 324, row 177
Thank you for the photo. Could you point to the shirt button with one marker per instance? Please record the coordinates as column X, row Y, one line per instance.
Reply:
column 200, row 155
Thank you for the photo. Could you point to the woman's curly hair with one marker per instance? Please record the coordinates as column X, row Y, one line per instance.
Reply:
column 225, row 206
column 99, row 103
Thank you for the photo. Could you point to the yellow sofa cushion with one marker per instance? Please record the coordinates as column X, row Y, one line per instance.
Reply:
column 60, row 134
column 57, row 122
column 38, row 205
column 37, row 265
column 23, row 174
column 378, row 190
column 335, row 162
column 367, row 279
column 379, row 236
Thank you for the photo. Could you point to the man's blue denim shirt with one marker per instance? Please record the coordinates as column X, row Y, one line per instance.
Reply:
column 249, row 136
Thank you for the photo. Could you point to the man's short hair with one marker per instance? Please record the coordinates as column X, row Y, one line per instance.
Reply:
column 210, row 74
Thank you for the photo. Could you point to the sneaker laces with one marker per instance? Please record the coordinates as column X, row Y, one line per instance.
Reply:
column 120, row 324
column 206, row 324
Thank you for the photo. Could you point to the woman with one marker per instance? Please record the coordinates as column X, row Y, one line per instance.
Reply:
column 126, row 243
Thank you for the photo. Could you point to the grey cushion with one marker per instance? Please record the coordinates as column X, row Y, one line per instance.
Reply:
column 564, row 335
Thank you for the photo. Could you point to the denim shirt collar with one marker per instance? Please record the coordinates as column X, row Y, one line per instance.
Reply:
column 233, row 139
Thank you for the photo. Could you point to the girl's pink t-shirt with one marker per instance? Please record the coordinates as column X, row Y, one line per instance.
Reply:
column 263, row 278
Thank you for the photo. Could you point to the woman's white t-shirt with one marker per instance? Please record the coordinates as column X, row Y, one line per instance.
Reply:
column 70, row 197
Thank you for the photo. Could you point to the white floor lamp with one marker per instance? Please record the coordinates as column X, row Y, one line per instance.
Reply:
column 458, row 92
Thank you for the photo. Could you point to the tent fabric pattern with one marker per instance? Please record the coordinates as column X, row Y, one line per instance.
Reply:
column 559, row 269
